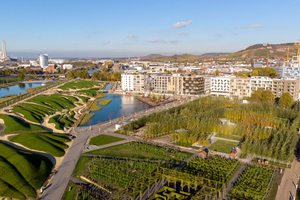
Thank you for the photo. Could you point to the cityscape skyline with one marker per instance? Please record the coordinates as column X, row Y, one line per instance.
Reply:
column 133, row 28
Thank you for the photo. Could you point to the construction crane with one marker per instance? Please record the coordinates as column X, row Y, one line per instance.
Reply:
column 287, row 56
column 298, row 53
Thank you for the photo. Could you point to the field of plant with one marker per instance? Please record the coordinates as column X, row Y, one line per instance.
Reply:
column 84, row 99
column 79, row 85
column 16, row 126
column 253, row 183
column 53, row 144
column 94, row 106
column 37, row 88
column 86, row 118
column 143, row 151
column 169, row 193
column 55, row 101
column 21, row 172
column 223, row 146
column 104, row 139
column 104, row 102
column 268, row 130
column 215, row 168
column 62, row 121
column 101, row 95
column 117, row 174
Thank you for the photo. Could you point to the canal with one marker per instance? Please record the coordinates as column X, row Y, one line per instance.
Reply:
column 20, row 88
column 119, row 106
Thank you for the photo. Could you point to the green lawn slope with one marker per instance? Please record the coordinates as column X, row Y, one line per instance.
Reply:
column 103, row 139
column 33, row 112
column 79, row 84
column 21, row 172
column 16, row 126
column 55, row 101
column 47, row 142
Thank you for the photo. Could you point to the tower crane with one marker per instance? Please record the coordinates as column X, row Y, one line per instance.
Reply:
column 298, row 53
column 287, row 56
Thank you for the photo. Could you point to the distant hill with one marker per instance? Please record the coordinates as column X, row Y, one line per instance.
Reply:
column 255, row 51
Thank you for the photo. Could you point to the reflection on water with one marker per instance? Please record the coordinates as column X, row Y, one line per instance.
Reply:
column 19, row 88
column 119, row 106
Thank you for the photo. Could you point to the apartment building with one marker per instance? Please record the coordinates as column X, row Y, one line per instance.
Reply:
column 193, row 85
column 133, row 82
column 261, row 82
column 207, row 84
column 291, row 71
column 240, row 87
column 220, row 86
column 291, row 86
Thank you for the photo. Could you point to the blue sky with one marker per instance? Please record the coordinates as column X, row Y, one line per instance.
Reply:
column 111, row 28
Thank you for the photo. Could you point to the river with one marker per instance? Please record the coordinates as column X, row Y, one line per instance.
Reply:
column 20, row 88
column 119, row 105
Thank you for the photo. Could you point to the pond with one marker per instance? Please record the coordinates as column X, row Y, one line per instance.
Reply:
column 119, row 106
column 20, row 88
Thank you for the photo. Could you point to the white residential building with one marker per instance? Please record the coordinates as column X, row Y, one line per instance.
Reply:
column 68, row 66
column 133, row 82
column 261, row 82
column 220, row 86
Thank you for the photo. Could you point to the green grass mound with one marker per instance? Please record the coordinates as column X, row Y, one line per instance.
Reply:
column 79, row 85
column 61, row 121
column 104, row 102
column 143, row 151
column 47, row 142
column 86, row 118
column 15, row 126
column 79, row 104
column 223, row 146
column 91, row 92
column 55, row 101
column 33, row 112
column 84, row 99
column 21, row 172
column 94, row 106
column 104, row 139
column 101, row 95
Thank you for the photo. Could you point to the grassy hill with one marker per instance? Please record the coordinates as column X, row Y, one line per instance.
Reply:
column 252, row 52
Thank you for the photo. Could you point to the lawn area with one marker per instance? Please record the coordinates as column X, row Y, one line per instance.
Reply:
column 15, row 126
column 185, row 144
column 4, row 80
column 86, row 118
column 104, row 139
column 47, row 142
column 81, row 164
column 131, row 151
column 228, row 136
column 223, row 146
column 61, row 121
column 33, row 112
column 91, row 92
column 84, row 99
column 21, row 172
column 69, row 195
column 55, row 101
column 79, row 84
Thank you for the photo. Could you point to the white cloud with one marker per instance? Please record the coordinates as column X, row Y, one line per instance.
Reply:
column 182, row 24
column 183, row 33
column 132, row 36
column 255, row 25
column 106, row 42
column 174, row 41
column 157, row 41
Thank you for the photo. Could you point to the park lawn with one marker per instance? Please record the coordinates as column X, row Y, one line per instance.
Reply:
column 72, row 114
column 55, row 101
column 79, row 84
column 61, row 121
column 81, row 164
column 128, row 152
column 16, row 126
column 86, row 118
column 104, row 139
column 91, row 92
column 185, row 144
column 84, row 99
column 69, row 195
column 79, row 104
column 229, row 136
column 223, row 146
column 24, row 172
column 33, row 112
column 47, row 142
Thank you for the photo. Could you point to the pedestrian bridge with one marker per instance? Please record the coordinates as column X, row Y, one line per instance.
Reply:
column 104, row 91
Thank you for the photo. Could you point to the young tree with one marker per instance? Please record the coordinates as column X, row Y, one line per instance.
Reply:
column 110, row 116
column 99, row 125
column 286, row 100
column 217, row 72
column 21, row 76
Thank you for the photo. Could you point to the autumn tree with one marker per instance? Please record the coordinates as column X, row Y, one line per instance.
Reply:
column 262, row 95
column 286, row 100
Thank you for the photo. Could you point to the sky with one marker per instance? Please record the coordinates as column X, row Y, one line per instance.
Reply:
column 128, row 28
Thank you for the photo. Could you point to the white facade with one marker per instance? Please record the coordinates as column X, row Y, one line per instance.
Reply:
column 127, row 82
column 220, row 86
column 207, row 85
column 43, row 58
column 261, row 82
column 68, row 66
column 3, row 49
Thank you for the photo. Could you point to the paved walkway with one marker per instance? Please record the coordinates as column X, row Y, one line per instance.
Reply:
column 86, row 148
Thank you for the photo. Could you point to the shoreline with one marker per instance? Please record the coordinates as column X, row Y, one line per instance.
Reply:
column 38, row 81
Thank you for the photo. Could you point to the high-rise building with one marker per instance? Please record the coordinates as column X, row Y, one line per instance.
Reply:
column 43, row 58
column 3, row 49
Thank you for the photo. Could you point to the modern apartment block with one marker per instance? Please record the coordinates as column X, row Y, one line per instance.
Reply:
column 292, row 71
column 261, row 82
column 207, row 84
column 193, row 85
column 240, row 87
column 220, row 86
column 291, row 86
column 133, row 82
